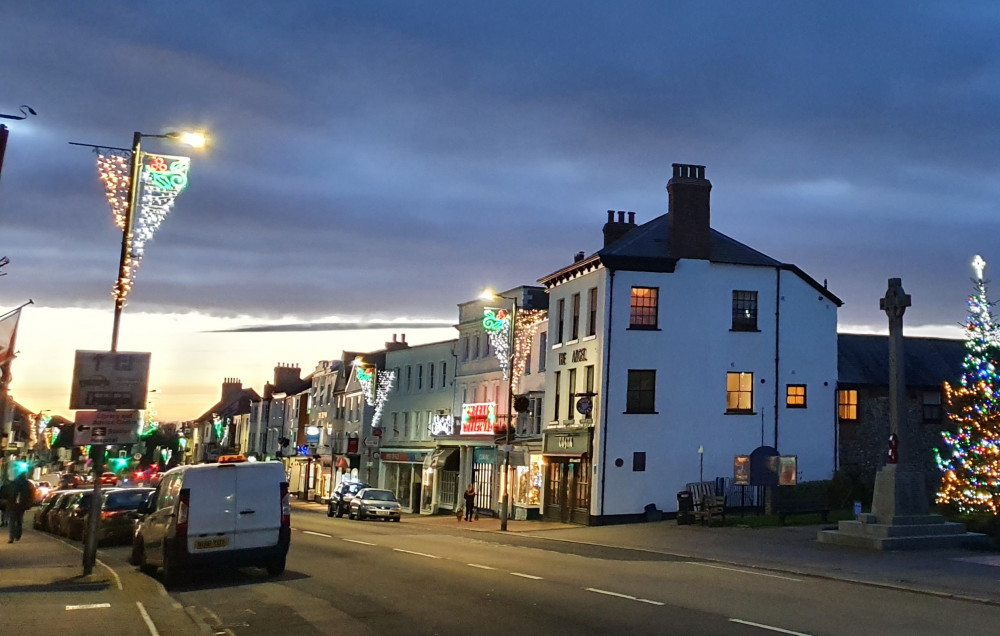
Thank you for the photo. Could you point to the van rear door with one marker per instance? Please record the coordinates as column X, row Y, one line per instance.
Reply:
column 258, row 504
column 212, row 508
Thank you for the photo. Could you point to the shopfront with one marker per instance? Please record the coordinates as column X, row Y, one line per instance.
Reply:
column 402, row 473
column 527, row 484
column 566, row 495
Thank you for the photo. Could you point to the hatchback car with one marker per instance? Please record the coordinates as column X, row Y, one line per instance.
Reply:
column 340, row 500
column 119, row 513
column 374, row 503
column 38, row 523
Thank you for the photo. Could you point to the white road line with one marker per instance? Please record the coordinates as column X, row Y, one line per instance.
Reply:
column 356, row 541
column 527, row 576
column 617, row 595
column 318, row 534
column 118, row 581
column 719, row 567
column 147, row 619
column 89, row 606
column 594, row 589
column 769, row 627
column 481, row 567
column 429, row 556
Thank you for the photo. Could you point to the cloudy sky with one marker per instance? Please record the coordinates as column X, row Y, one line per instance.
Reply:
column 387, row 160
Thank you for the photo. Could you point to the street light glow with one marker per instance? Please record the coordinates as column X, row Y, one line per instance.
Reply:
column 189, row 138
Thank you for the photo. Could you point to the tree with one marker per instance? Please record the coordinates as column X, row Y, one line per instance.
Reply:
column 970, row 455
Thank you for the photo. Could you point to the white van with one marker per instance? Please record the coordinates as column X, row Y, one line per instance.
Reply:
column 232, row 513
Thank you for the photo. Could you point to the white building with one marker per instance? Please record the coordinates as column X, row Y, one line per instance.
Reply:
column 423, row 395
column 680, row 338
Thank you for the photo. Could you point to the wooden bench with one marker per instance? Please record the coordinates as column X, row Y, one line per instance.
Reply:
column 708, row 506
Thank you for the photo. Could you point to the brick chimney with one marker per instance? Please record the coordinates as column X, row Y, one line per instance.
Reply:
column 286, row 377
column 231, row 388
column 690, row 232
column 396, row 345
column 614, row 230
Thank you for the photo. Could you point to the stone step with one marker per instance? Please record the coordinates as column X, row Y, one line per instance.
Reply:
column 904, row 530
column 916, row 542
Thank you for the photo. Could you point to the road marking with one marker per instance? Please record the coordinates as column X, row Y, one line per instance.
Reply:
column 719, row 567
column 770, row 627
column 89, row 606
column 527, row 576
column 318, row 534
column 147, row 619
column 429, row 556
column 481, row 567
column 118, row 581
column 616, row 594
column 356, row 541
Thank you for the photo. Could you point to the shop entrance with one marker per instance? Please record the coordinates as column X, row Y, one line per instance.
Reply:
column 567, row 490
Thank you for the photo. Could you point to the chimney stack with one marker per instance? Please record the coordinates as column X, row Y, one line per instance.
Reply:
column 614, row 230
column 690, row 232
column 578, row 257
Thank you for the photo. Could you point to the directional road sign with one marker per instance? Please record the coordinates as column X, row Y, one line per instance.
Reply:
column 106, row 427
column 109, row 380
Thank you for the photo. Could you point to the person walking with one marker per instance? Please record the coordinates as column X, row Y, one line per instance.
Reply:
column 5, row 488
column 470, row 501
column 20, row 497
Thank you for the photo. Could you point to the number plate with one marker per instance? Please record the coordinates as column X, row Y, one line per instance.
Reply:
column 381, row 512
column 205, row 544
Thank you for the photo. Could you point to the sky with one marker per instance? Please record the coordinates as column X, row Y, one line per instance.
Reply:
column 377, row 163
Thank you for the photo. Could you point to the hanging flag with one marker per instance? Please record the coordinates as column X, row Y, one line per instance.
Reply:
column 8, row 333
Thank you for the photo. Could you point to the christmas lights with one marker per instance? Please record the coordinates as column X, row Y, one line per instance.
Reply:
column 497, row 323
column 385, row 383
column 524, row 332
column 970, row 455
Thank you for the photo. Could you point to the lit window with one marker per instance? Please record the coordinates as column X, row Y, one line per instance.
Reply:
column 795, row 396
column 847, row 404
column 739, row 392
column 643, row 308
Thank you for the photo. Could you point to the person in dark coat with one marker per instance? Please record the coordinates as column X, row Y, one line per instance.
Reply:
column 20, row 497
column 470, row 501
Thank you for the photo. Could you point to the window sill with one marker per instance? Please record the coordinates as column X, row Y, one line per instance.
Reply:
column 572, row 342
column 592, row 336
column 795, row 406
column 642, row 328
column 557, row 345
column 745, row 330
column 741, row 413
column 640, row 412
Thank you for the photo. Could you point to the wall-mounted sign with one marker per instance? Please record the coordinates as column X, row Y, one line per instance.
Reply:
column 585, row 405
column 787, row 470
column 741, row 470
column 580, row 355
column 442, row 425
column 479, row 418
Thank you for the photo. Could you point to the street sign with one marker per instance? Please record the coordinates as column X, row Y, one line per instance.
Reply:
column 106, row 427
column 109, row 380
column 584, row 405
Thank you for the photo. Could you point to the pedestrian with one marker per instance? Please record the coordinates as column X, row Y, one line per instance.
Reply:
column 20, row 497
column 470, row 501
column 4, row 489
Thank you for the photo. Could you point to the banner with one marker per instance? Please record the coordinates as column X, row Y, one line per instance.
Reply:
column 8, row 334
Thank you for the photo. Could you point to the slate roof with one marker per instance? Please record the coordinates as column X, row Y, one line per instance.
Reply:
column 646, row 248
column 231, row 407
column 864, row 360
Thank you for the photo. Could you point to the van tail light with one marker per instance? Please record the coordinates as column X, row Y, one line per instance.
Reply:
column 286, row 506
column 183, row 503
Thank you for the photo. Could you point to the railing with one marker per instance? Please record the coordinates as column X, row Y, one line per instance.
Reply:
column 449, row 489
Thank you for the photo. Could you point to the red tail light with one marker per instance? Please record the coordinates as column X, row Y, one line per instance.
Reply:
column 286, row 506
column 183, row 503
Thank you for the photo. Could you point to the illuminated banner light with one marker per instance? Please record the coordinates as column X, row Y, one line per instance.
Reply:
column 442, row 425
column 365, row 375
column 385, row 383
column 163, row 177
column 497, row 323
column 479, row 418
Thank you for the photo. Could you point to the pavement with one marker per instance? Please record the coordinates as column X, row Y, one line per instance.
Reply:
column 43, row 591
column 968, row 574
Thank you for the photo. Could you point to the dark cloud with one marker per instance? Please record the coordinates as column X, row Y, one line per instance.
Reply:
column 396, row 157
column 338, row 326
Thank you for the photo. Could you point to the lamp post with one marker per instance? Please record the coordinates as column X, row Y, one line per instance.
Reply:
column 122, row 286
column 505, row 501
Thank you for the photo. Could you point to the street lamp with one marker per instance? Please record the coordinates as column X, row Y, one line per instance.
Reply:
column 493, row 324
column 122, row 287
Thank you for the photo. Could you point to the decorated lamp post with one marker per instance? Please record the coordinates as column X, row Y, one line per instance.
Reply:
column 140, row 196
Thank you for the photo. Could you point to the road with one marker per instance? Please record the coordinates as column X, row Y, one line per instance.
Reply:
column 350, row 577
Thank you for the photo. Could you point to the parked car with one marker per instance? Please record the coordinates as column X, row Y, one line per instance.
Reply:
column 119, row 514
column 235, row 514
column 60, row 498
column 59, row 517
column 74, row 517
column 38, row 523
column 42, row 490
column 340, row 499
column 374, row 503
column 69, row 481
column 109, row 479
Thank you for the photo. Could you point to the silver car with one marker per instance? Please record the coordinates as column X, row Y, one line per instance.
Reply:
column 374, row 503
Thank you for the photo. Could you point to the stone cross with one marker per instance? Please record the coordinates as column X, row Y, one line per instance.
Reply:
column 894, row 304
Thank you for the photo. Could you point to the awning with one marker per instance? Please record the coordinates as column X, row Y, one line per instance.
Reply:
column 342, row 462
column 438, row 457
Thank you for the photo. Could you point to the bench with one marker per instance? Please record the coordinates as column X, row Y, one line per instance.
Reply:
column 708, row 506
column 802, row 507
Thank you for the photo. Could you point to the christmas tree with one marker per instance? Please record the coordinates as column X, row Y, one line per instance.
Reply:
column 970, row 455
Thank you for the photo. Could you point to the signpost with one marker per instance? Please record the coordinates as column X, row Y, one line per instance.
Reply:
column 108, row 380
column 106, row 427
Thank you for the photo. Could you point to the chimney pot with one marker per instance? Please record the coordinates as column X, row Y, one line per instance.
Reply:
column 621, row 216
column 631, row 218
column 611, row 216
column 578, row 257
